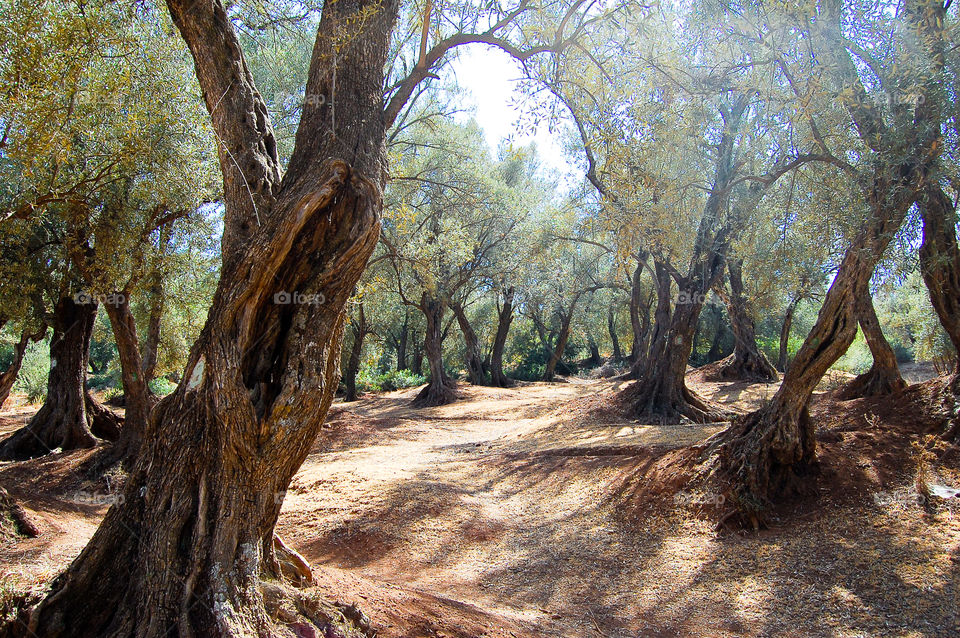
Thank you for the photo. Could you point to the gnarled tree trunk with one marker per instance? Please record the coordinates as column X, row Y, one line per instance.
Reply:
column 940, row 260
column 440, row 389
column 473, row 358
column 557, row 351
column 747, row 362
column 62, row 422
column 504, row 319
column 883, row 377
column 9, row 376
column 195, row 528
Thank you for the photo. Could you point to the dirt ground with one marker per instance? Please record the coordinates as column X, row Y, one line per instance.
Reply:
column 520, row 512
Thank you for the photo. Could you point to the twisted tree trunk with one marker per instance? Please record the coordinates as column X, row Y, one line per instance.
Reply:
column 747, row 362
column 184, row 551
column 62, row 422
column 473, row 358
column 940, row 260
column 883, row 377
column 440, row 389
column 504, row 319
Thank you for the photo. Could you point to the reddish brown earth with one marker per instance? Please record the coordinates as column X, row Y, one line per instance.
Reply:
column 541, row 511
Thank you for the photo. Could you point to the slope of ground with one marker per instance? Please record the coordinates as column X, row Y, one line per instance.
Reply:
column 514, row 512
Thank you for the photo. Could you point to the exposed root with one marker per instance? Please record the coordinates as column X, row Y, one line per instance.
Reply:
column 648, row 403
column 307, row 614
column 875, row 382
column 434, row 394
column 741, row 368
column 104, row 422
column 14, row 512
column 287, row 563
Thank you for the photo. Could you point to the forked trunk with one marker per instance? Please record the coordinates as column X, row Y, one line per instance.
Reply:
column 557, row 351
column 440, row 389
column 747, row 362
column 62, row 421
column 660, row 394
column 940, row 260
column 766, row 453
column 504, row 319
column 883, row 377
column 183, row 552
column 473, row 358
column 9, row 376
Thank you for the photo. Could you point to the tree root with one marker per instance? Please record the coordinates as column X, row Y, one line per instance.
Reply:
column 21, row 521
column 686, row 406
column 873, row 383
column 434, row 394
column 307, row 614
column 744, row 368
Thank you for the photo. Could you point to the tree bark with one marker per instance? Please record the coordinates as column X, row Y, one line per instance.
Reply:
column 614, row 339
column 747, row 362
column 402, row 342
column 138, row 399
column 566, row 316
column 9, row 376
column 473, row 359
column 262, row 374
column 940, row 260
column 62, row 421
column 884, row 375
column 440, row 390
column 504, row 319
column 638, row 323
column 417, row 366
column 156, row 302
column 785, row 334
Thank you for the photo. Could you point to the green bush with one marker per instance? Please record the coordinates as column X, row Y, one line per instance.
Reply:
column 162, row 386
column 369, row 381
column 104, row 381
column 32, row 379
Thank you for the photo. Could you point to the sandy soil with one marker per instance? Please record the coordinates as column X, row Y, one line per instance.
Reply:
column 511, row 513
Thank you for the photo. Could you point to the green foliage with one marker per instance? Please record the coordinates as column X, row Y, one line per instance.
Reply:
column 369, row 381
column 162, row 386
column 32, row 379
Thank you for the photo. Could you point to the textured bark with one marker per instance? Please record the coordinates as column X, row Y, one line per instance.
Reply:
column 195, row 527
column 472, row 359
column 614, row 339
column 9, row 376
column 402, row 342
column 155, row 302
column 417, row 366
column 883, row 377
column 639, row 321
column 940, row 260
column 660, row 393
column 747, row 362
column 504, row 319
column 440, row 389
column 785, row 334
column 766, row 453
column 62, row 420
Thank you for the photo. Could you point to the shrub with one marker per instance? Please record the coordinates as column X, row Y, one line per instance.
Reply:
column 32, row 379
column 162, row 386
column 369, row 381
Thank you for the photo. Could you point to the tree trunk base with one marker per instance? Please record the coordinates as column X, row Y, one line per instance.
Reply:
column 435, row 394
column 104, row 422
column 745, row 368
column 761, row 462
column 650, row 402
column 873, row 383
column 501, row 381
column 51, row 427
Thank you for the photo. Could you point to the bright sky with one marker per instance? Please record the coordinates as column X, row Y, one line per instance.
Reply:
column 489, row 75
